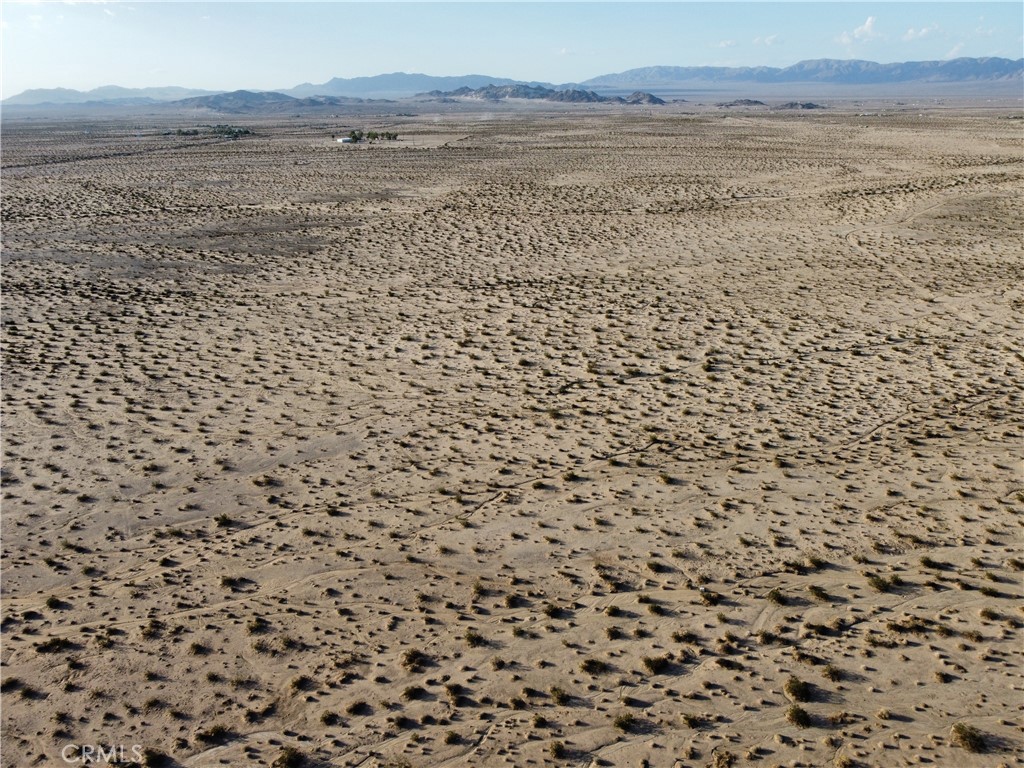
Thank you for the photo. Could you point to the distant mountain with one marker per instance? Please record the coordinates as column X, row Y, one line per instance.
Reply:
column 992, row 72
column 241, row 102
column 493, row 92
column 835, row 71
column 800, row 105
column 642, row 97
column 106, row 93
column 395, row 85
column 742, row 103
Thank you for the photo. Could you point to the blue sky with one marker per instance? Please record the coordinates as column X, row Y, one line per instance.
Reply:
column 229, row 45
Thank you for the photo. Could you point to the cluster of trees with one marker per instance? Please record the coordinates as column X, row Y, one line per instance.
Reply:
column 231, row 131
column 372, row 135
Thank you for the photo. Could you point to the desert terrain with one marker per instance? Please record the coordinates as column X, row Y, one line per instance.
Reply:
column 598, row 437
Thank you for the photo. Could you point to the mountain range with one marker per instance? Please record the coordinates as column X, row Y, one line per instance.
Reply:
column 980, row 71
column 265, row 102
column 835, row 71
column 538, row 92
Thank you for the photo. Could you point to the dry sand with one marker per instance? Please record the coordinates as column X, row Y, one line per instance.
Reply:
column 596, row 438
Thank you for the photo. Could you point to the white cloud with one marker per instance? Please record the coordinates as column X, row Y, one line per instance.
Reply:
column 769, row 40
column 726, row 44
column 564, row 52
column 863, row 33
column 917, row 34
column 866, row 30
column 954, row 51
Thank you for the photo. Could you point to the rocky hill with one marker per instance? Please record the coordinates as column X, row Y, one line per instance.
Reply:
column 395, row 85
column 241, row 102
column 521, row 91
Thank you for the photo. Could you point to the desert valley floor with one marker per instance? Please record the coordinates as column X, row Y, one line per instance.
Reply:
column 607, row 438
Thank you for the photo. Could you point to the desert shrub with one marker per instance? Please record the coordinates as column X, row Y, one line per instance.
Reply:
column 710, row 598
column 797, row 689
column 415, row 660
column 215, row 734
column 692, row 721
column 330, row 718
column 358, row 708
column 968, row 737
column 878, row 583
column 798, row 716
column 656, row 665
column 10, row 684
column 302, row 683
column 290, row 757
column 625, row 722
column 151, row 758
column 414, row 692
column 832, row 672
column 818, row 593
column 55, row 645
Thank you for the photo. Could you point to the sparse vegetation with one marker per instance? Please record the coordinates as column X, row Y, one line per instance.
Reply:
column 797, row 689
column 625, row 722
column 798, row 716
column 563, row 435
column 968, row 737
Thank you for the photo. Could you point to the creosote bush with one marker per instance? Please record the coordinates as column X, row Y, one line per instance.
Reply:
column 798, row 716
column 290, row 757
column 656, row 664
column 594, row 667
column 625, row 722
column 968, row 737
column 797, row 689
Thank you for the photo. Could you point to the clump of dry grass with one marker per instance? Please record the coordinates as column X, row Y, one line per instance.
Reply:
column 968, row 737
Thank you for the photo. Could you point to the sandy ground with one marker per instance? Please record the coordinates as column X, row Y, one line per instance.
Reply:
column 607, row 439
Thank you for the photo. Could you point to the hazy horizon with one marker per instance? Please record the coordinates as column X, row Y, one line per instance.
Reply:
column 269, row 46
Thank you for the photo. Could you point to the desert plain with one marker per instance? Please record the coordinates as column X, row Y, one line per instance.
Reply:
column 599, row 437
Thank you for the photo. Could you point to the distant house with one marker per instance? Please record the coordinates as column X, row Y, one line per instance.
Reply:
column 345, row 140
